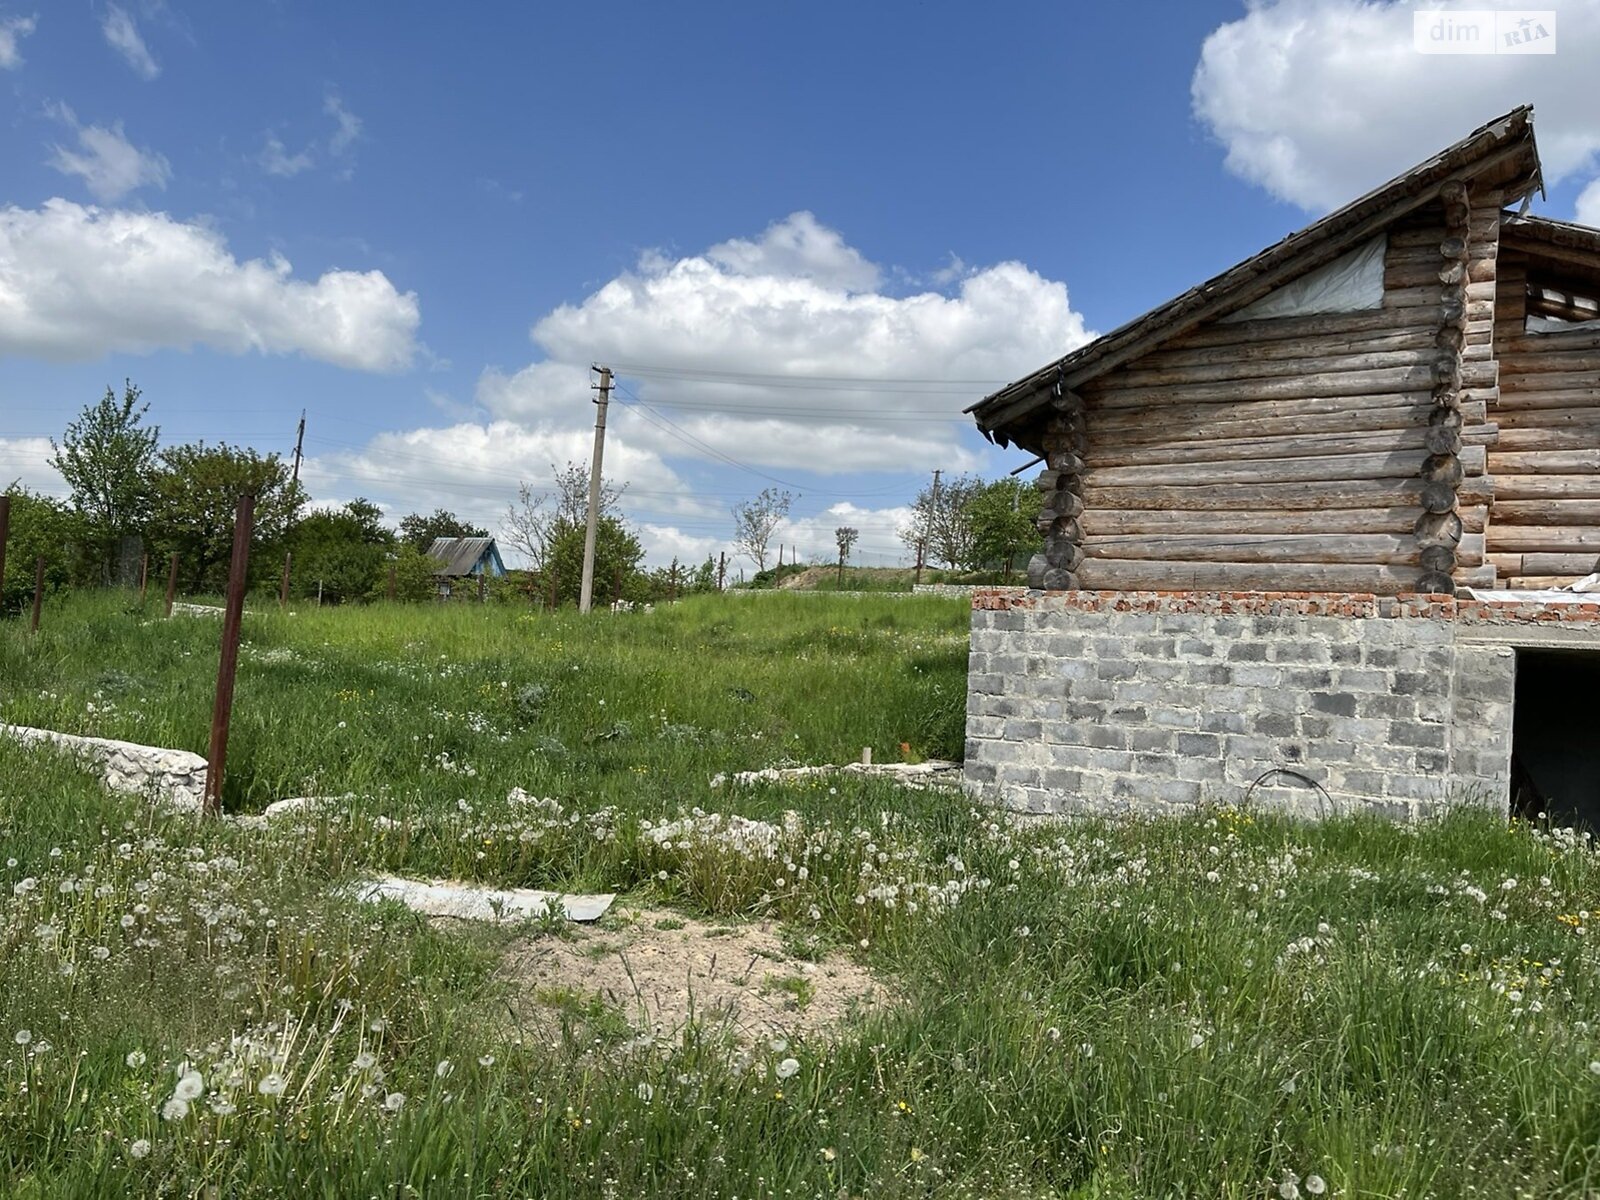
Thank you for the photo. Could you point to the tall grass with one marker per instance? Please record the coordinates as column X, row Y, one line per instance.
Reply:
column 1223, row 1005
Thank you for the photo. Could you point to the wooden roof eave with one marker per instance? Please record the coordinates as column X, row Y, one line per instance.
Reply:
column 1503, row 150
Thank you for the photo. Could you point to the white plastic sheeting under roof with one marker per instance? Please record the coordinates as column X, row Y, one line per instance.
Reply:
column 1352, row 282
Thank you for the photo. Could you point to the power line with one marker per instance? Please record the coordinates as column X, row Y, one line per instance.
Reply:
column 817, row 382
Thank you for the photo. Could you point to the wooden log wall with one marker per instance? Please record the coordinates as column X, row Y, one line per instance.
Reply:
column 1061, row 483
column 1545, row 526
column 1331, row 452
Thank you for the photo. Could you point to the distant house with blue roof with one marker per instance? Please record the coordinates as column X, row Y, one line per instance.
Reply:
column 465, row 559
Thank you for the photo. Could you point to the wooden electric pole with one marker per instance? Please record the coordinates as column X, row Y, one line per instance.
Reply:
column 586, row 590
column 5, row 533
column 299, row 441
column 927, row 530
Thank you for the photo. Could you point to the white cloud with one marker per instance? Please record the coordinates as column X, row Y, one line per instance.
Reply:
column 474, row 468
column 1319, row 100
column 79, row 282
column 27, row 461
column 108, row 163
column 814, row 369
column 276, row 160
column 347, row 126
column 122, row 32
column 12, row 31
column 798, row 248
column 1587, row 210
column 879, row 545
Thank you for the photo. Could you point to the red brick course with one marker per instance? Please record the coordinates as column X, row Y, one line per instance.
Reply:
column 1304, row 604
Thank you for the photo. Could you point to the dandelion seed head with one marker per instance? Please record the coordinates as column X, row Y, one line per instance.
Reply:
column 191, row 1085
column 139, row 1149
column 272, row 1085
column 787, row 1068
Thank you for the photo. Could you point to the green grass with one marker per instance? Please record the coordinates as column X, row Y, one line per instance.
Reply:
column 1225, row 1005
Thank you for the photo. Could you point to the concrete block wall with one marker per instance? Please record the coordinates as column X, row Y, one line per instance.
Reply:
column 1155, row 702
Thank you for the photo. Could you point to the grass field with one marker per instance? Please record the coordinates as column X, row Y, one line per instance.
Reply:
column 1226, row 1005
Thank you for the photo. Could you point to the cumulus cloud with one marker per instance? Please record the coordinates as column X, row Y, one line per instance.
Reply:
column 122, row 33
column 1588, row 206
column 12, row 31
column 798, row 248
column 770, row 350
column 79, row 282
column 276, row 160
column 474, row 468
column 108, row 163
column 1319, row 100
column 26, row 460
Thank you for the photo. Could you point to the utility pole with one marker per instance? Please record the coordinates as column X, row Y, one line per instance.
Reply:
column 299, row 441
column 927, row 531
column 586, row 590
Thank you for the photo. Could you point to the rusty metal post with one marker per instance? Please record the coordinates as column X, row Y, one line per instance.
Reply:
column 722, row 570
column 5, row 532
column 172, row 581
column 228, row 660
column 144, row 576
column 38, row 592
column 391, row 581
column 283, row 589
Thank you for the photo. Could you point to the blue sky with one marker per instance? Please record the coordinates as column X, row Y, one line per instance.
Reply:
column 421, row 223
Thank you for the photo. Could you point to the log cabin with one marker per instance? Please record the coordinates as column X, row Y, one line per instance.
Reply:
column 1302, row 522
column 1404, row 396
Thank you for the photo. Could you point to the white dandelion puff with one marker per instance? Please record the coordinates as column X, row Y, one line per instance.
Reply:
column 139, row 1149
column 272, row 1085
column 191, row 1085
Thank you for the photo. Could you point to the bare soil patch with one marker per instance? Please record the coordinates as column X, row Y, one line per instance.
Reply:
column 656, row 969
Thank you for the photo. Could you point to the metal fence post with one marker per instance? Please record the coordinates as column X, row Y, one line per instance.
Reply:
column 228, row 660
column 172, row 581
column 38, row 593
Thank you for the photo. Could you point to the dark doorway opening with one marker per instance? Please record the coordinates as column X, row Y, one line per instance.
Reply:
column 1555, row 737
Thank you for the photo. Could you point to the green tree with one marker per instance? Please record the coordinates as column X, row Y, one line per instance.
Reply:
column 419, row 531
column 197, row 491
column 940, row 526
column 107, row 456
column 340, row 553
column 617, row 554
column 1005, row 532
column 414, row 578
column 755, row 521
column 43, row 526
